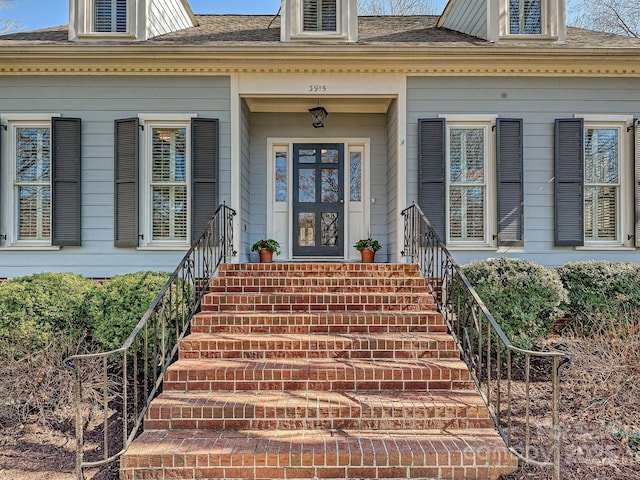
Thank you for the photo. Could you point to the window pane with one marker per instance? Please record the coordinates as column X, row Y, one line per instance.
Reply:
column 329, row 229
column 330, row 156
column 466, row 213
column 110, row 15
column 307, row 156
column 319, row 15
column 525, row 17
column 33, row 154
column 307, row 229
column 355, row 181
column 170, row 213
column 307, row 185
column 34, row 207
column 601, row 155
column 330, row 187
column 169, row 155
column 600, row 213
column 281, row 177
column 467, row 155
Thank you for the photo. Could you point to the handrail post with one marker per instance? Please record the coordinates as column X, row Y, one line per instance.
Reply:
column 79, row 422
column 556, row 419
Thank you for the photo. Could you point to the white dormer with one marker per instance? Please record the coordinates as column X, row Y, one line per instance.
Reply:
column 497, row 20
column 305, row 20
column 127, row 19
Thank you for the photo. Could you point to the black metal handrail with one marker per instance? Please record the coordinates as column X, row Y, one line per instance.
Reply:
column 493, row 361
column 127, row 379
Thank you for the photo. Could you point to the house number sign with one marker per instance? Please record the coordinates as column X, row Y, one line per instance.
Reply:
column 317, row 88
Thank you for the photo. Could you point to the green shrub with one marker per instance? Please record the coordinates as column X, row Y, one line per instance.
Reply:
column 40, row 306
column 522, row 296
column 120, row 304
column 601, row 292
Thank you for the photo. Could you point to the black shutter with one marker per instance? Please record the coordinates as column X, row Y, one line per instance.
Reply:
column 431, row 172
column 569, row 182
column 636, row 133
column 126, row 182
column 510, row 182
column 65, row 181
column 204, row 171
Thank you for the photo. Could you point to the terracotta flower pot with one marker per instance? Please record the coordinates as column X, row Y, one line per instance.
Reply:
column 367, row 255
column 266, row 256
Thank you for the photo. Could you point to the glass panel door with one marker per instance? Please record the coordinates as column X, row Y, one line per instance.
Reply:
column 318, row 204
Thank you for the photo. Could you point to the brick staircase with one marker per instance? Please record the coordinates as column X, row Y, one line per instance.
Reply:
column 318, row 371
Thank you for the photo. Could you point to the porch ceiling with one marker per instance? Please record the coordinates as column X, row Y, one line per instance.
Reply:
column 333, row 104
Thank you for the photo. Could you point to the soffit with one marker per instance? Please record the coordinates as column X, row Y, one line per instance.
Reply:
column 333, row 104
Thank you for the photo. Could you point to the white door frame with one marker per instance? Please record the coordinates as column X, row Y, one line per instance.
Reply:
column 280, row 214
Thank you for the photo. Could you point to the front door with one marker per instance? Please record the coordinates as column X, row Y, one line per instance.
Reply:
column 318, row 203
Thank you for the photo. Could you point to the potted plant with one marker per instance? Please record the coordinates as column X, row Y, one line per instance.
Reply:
column 368, row 248
column 266, row 248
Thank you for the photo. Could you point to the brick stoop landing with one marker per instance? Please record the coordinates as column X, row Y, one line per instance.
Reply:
column 318, row 371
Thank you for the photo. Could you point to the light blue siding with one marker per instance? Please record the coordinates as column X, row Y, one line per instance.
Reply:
column 98, row 101
column 538, row 101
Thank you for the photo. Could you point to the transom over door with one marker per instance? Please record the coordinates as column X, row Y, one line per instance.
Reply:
column 318, row 203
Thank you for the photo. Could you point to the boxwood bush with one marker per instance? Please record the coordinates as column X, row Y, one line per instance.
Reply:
column 119, row 305
column 523, row 297
column 601, row 292
column 37, row 307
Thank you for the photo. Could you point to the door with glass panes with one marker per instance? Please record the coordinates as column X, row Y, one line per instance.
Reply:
column 318, row 203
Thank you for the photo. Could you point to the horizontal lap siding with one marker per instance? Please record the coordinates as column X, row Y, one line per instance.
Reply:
column 167, row 16
column 98, row 102
column 538, row 102
column 468, row 16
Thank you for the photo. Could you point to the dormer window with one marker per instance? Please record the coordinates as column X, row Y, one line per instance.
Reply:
column 525, row 17
column 110, row 16
column 319, row 20
column 320, row 16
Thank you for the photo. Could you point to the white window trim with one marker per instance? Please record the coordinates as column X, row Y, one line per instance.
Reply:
column 8, row 201
column 625, row 208
column 487, row 123
column 292, row 27
column 149, row 122
column 552, row 25
column 85, row 21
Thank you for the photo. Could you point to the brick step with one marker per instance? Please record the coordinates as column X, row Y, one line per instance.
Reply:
column 312, row 346
column 381, row 270
column 279, row 410
column 346, row 322
column 298, row 454
column 319, row 374
column 277, row 284
column 328, row 302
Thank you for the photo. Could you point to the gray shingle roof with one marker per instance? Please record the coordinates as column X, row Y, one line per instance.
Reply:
column 263, row 30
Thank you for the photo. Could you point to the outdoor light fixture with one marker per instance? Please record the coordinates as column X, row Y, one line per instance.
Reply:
column 318, row 115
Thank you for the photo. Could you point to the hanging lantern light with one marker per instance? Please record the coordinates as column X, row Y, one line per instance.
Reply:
column 318, row 115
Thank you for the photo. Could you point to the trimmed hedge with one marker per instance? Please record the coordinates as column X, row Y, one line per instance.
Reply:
column 523, row 297
column 119, row 305
column 38, row 307
column 601, row 292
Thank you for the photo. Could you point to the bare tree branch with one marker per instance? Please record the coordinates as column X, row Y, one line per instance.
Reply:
column 7, row 26
column 397, row 7
column 615, row 16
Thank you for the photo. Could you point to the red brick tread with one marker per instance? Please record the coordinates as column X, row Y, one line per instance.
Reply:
column 334, row 322
column 317, row 374
column 290, row 345
column 278, row 410
column 298, row 454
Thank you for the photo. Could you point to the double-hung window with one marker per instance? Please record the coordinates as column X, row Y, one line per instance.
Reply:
column 525, row 17
column 166, row 179
column 40, row 181
column 468, row 171
column 594, row 177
